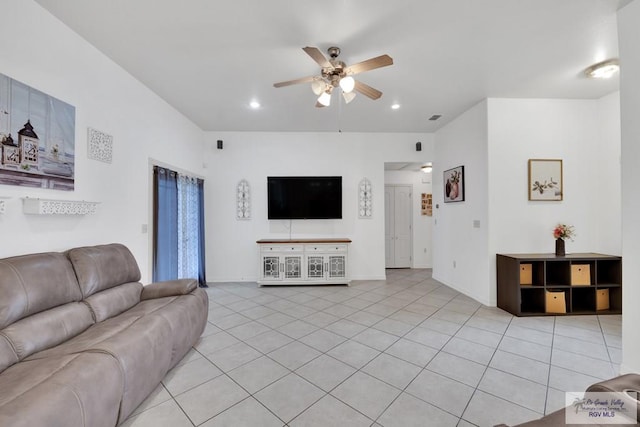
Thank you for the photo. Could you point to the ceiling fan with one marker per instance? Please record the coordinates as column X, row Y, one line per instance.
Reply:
column 335, row 73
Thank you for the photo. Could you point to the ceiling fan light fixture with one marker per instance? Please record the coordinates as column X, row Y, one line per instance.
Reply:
column 603, row 70
column 348, row 96
column 318, row 86
column 347, row 84
column 325, row 99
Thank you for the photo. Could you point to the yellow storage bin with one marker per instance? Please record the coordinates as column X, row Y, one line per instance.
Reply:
column 555, row 302
column 580, row 275
column 602, row 299
column 526, row 275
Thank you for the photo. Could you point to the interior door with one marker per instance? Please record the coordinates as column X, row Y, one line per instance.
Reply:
column 398, row 233
column 389, row 236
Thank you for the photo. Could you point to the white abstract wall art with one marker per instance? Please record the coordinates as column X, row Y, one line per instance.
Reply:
column 100, row 146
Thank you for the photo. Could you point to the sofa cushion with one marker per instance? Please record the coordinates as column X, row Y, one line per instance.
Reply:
column 111, row 302
column 8, row 355
column 47, row 329
column 80, row 390
column 102, row 267
column 30, row 284
column 147, row 340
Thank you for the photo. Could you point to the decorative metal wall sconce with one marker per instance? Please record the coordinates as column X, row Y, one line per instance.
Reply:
column 243, row 200
column 365, row 199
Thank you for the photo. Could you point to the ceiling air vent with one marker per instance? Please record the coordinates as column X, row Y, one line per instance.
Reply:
column 435, row 117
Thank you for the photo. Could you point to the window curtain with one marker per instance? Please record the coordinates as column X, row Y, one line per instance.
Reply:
column 165, row 224
column 182, row 256
column 202, row 277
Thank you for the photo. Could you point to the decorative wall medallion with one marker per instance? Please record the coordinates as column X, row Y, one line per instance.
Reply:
column 58, row 207
column 100, row 146
column 243, row 200
column 365, row 199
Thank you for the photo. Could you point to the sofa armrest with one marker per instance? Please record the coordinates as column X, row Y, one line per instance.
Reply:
column 168, row 288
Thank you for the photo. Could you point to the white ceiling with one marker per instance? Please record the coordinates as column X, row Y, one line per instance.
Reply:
column 209, row 59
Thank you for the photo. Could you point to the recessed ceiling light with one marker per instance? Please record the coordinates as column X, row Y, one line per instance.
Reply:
column 603, row 70
column 395, row 106
column 254, row 104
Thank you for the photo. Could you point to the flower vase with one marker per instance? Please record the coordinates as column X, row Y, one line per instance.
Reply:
column 560, row 247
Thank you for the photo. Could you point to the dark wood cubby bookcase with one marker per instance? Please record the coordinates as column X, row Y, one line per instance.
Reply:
column 552, row 273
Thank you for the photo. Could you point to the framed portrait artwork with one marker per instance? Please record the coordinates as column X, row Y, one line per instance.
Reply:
column 454, row 185
column 545, row 180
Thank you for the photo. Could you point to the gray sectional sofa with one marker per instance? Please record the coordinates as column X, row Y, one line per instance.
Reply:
column 82, row 341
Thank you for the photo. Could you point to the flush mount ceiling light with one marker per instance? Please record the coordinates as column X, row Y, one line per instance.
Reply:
column 427, row 168
column 603, row 70
column 254, row 104
column 395, row 106
column 335, row 73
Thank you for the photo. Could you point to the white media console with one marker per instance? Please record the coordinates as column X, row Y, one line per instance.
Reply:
column 304, row 261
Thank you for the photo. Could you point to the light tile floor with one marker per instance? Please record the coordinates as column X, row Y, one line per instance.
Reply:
column 406, row 351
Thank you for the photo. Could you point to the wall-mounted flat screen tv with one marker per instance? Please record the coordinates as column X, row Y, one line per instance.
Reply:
column 304, row 197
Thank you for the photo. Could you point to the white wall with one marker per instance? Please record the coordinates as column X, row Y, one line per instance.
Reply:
column 629, row 34
column 50, row 57
column 422, row 225
column 580, row 132
column 463, row 142
column 232, row 253
column 494, row 141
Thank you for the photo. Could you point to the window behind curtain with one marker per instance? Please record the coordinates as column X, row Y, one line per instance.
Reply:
column 178, row 231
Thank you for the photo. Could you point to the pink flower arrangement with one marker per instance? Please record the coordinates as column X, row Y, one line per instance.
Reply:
column 563, row 231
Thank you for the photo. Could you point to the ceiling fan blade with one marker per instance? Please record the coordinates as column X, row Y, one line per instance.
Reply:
column 367, row 90
column 294, row 82
column 317, row 56
column 369, row 64
column 318, row 105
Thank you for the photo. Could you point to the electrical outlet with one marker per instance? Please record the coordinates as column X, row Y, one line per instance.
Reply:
column 144, row 228
column 476, row 223
column 425, row 250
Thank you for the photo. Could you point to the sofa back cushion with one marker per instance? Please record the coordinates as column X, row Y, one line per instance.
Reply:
column 111, row 302
column 33, row 283
column 46, row 329
column 102, row 267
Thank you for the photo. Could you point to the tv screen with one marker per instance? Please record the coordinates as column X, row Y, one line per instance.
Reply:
column 304, row 197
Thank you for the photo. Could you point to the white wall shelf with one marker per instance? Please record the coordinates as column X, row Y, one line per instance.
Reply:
column 58, row 207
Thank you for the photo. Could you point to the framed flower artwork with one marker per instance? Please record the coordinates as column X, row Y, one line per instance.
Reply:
column 545, row 180
column 454, row 185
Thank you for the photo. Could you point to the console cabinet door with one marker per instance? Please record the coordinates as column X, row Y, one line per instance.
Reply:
column 337, row 266
column 292, row 267
column 315, row 267
column 271, row 267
